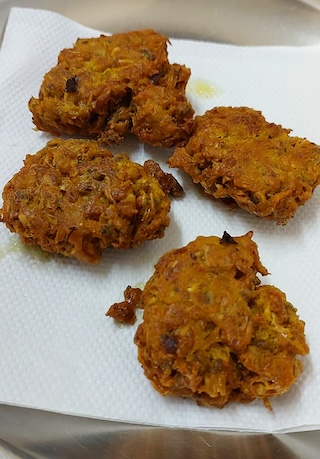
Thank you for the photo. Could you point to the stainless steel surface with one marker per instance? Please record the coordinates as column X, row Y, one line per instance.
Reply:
column 26, row 433
column 244, row 22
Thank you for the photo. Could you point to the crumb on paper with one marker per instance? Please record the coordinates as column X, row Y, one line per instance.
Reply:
column 125, row 311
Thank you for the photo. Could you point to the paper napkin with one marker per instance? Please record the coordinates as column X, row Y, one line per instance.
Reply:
column 58, row 351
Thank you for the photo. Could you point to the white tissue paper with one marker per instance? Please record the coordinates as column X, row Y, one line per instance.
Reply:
column 58, row 350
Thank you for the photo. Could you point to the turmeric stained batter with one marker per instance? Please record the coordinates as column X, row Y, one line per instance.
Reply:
column 211, row 333
column 75, row 198
column 110, row 86
column 237, row 156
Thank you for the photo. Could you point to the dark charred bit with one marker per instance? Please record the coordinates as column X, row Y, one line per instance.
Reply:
column 227, row 239
column 124, row 312
column 156, row 77
column 167, row 181
column 72, row 84
column 169, row 343
column 253, row 198
column 239, row 274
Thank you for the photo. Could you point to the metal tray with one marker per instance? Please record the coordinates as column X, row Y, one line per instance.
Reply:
column 27, row 433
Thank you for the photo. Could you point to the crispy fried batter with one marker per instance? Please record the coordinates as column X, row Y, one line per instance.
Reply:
column 75, row 198
column 101, row 88
column 168, row 183
column 211, row 332
column 124, row 312
column 235, row 154
column 162, row 115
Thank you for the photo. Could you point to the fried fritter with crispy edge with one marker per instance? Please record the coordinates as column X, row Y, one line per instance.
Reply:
column 210, row 332
column 75, row 198
column 237, row 156
column 110, row 86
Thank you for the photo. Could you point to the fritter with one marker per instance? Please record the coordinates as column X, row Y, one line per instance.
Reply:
column 101, row 88
column 75, row 198
column 239, row 157
column 210, row 332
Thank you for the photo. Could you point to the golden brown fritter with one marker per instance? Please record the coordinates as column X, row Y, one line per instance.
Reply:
column 75, row 198
column 101, row 88
column 210, row 332
column 236, row 155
